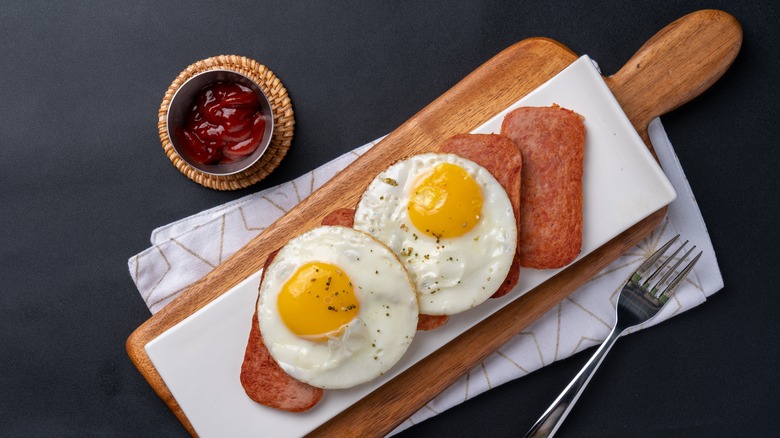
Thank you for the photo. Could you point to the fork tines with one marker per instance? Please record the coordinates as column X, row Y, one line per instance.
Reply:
column 643, row 269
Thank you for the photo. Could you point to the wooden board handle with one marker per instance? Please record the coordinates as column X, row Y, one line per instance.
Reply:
column 676, row 65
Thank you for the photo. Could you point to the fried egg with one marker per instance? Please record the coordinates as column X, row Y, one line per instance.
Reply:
column 451, row 224
column 336, row 308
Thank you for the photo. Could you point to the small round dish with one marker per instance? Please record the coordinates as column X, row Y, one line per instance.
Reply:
column 281, row 122
column 182, row 102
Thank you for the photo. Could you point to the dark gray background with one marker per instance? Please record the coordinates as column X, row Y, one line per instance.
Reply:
column 83, row 181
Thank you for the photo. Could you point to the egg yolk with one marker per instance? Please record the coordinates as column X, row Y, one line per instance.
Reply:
column 445, row 202
column 317, row 300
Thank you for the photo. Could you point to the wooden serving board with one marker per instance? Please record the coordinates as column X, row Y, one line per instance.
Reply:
column 673, row 67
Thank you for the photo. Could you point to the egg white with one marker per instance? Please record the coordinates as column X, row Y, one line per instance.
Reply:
column 373, row 341
column 451, row 275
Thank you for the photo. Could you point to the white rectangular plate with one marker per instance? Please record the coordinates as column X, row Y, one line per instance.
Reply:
column 200, row 358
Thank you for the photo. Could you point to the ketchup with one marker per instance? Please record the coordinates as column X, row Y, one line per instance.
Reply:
column 224, row 124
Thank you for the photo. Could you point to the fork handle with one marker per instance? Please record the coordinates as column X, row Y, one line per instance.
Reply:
column 553, row 417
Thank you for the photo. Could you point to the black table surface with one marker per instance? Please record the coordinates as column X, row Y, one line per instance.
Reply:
column 84, row 181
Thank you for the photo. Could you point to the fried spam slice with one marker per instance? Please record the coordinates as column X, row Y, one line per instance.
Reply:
column 552, row 143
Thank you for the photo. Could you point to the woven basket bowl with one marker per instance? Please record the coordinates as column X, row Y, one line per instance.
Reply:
column 284, row 122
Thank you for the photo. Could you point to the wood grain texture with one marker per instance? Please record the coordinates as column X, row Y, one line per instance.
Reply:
column 677, row 64
column 674, row 66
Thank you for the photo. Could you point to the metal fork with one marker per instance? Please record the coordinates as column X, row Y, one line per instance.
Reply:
column 640, row 299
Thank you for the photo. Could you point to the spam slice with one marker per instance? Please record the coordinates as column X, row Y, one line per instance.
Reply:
column 552, row 142
column 430, row 322
column 341, row 216
column 501, row 157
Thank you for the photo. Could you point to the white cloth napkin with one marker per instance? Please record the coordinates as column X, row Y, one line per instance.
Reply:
column 184, row 251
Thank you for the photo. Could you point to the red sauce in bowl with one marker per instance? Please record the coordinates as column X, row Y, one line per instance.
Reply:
column 223, row 125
